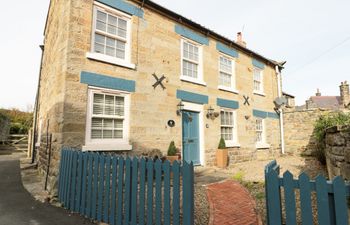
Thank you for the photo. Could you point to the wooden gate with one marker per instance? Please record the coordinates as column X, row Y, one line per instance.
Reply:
column 118, row 190
column 331, row 198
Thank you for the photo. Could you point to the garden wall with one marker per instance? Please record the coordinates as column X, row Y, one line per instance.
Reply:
column 299, row 130
column 338, row 151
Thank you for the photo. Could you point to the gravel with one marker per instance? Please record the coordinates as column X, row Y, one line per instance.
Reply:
column 201, row 205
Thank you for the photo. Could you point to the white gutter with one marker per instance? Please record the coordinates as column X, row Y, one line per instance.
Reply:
column 279, row 89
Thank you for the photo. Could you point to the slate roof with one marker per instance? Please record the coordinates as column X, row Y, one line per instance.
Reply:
column 327, row 102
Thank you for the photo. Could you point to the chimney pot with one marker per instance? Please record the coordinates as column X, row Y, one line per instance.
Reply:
column 318, row 93
column 344, row 94
column 239, row 39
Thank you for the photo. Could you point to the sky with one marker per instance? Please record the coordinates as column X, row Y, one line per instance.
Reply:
column 313, row 36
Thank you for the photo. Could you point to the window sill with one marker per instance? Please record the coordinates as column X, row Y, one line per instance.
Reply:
column 232, row 90
column 230, row 144
column 262, row 146
column 192, row 80
column 110, row 60
column 259, row 93
column 108, row 147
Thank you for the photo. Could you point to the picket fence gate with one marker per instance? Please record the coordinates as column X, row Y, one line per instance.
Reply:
column 331, row 198
column 125, row 191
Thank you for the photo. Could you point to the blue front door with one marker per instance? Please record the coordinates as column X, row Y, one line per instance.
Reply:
column 190, row 136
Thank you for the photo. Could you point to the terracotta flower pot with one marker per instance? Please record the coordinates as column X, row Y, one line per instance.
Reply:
column 221, row 158
column 172, row 158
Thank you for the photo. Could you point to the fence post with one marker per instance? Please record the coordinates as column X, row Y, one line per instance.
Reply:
column 273, row 199
column 188, row 195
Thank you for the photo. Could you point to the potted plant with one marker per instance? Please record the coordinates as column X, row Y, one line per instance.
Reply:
column 172, row 153
column 221, row 154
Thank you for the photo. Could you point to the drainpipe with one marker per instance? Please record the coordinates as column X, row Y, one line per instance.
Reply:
column 35, row 122
column 279, row 89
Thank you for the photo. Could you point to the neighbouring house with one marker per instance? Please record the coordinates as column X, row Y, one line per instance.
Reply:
column 132, row 76
column 290, row 100
column 299, row 122
column 330, row 102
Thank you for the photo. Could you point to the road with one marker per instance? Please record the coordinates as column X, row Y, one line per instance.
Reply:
column 18, row 207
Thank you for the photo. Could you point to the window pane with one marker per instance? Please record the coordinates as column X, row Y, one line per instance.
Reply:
column 107, row 123
column 109, row 110
column 96, row 123
column 98, row 98
column 118, row 134
column 110, row 51
column 119, row 106
column 118, row 124
column 122, row 24
column 225, row 79
column 190, row 69
column 120, row 54
column 112, row 29
column 96, row 134
column 99, row 48
column 101, row 26
column 111, row 42
column 101, row 16
column 107, row 134
column 112, row 20
column 100, row 39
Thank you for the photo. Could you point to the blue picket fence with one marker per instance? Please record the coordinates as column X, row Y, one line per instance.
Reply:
column 118, row 190
column 331, row 198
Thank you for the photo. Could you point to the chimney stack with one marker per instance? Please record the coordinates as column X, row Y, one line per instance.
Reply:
column 318, row 93
column 344, row 94
column 240, row 40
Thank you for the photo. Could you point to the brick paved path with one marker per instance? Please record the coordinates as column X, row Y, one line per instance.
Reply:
column 230, row 203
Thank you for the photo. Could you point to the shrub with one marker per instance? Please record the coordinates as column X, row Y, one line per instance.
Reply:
column 172, row 149
column 324, row 122
column 21, row 121
column 222, row 144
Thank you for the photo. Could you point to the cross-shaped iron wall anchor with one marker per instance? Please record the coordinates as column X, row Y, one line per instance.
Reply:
column 158, row 81
column 246, row 100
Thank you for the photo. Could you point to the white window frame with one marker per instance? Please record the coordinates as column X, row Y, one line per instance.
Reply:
column 234, row 142
column 199, row 80
column 107, row 144
column 261, row 144
column 106, row 58
column 233, row 75
column 261, row 90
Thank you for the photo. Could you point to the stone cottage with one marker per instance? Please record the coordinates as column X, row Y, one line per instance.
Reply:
column 132, row 76
column 330, row 102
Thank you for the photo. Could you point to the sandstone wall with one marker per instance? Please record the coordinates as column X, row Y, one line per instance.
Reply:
column 338, row 151
column 52, row 86
column 299, row 128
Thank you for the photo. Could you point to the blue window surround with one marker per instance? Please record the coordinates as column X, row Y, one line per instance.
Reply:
column 103, row 81
column 227, row 103
column 227, row 50
column 264, row 114
column 192, row 97
column 124, row 6
column 258, row 64
column 183, row 31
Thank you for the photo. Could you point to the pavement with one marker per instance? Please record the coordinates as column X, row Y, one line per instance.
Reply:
column 18, row 207
column 231, row 204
